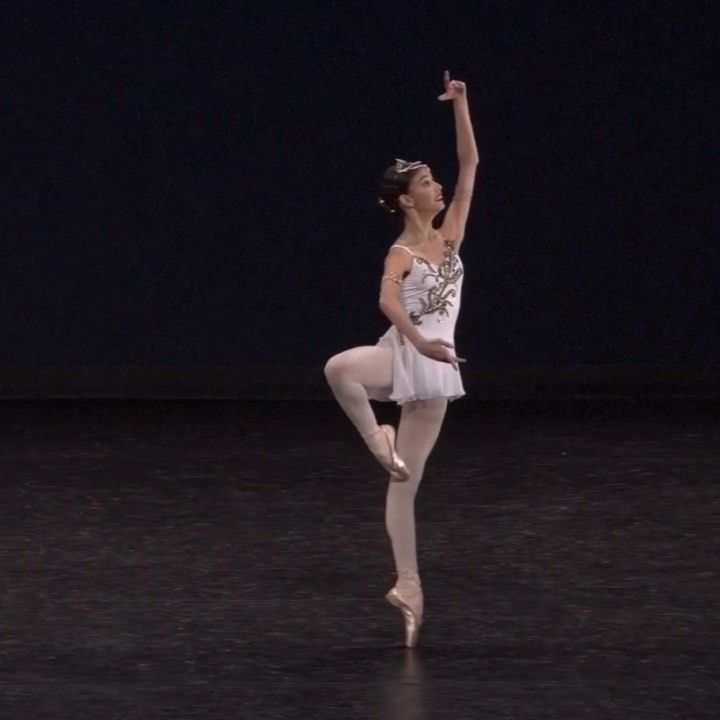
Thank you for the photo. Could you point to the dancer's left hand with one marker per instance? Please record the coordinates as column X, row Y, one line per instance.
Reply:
column 453, row 88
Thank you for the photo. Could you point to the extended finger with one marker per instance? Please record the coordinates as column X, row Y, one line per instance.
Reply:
column 446, row 77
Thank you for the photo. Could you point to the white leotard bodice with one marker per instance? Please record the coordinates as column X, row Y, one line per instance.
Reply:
column 431, row 293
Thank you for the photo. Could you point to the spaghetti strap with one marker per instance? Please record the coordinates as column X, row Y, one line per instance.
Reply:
column 404, row 248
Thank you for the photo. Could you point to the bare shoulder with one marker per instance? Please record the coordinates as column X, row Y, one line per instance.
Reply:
column 398, row 258
column 401, row 249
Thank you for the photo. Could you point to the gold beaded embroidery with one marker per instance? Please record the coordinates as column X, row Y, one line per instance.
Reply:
column 438, row 299
column 395, row 277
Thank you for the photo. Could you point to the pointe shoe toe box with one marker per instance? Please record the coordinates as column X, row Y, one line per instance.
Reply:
column 411, row 618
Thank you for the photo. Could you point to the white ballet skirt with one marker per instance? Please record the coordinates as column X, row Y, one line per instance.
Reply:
column 430, row 295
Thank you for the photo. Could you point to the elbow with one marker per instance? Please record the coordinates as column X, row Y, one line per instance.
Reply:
column 384, row 304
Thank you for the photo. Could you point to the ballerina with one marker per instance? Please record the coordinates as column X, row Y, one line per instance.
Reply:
column 414, row 363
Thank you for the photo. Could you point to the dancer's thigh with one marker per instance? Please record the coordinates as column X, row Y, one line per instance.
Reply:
column 419, row 428
column 369, row 365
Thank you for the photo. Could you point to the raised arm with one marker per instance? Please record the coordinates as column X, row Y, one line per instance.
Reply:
column 456, row 216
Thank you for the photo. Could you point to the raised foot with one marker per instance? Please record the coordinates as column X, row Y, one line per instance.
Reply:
column 382, row 445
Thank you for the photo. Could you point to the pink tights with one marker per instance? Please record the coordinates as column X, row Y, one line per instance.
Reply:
column 350, row 374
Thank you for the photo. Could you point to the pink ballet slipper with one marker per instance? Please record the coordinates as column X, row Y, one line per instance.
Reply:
column 385, row 453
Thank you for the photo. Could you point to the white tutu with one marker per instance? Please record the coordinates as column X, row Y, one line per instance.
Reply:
column 416, row 377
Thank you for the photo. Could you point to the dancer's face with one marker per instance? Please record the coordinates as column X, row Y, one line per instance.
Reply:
column 424, row 192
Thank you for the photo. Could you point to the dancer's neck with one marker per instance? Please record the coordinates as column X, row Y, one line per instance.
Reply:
column 419, row 229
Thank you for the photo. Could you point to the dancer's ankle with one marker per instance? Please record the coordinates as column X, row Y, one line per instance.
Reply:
column 368, row 435
column 376, row 440
column 409, row 582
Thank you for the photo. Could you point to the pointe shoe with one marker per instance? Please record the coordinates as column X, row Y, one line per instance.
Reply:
column 387, row 456
column 413, row 621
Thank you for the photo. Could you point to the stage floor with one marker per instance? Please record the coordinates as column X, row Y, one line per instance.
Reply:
column 228, row 559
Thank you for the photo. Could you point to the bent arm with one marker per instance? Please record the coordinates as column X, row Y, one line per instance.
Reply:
column 397, row 264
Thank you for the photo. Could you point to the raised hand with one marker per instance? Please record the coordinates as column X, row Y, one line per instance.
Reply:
column 453, row 88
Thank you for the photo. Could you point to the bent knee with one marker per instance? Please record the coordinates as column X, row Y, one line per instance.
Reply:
column 335, row 366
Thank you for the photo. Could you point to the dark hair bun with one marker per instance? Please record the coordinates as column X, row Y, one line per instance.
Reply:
column 392, row 186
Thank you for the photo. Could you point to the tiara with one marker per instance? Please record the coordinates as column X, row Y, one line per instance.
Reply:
column 402, row 166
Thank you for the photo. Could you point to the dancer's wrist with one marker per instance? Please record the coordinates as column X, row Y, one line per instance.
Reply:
column 416, row 338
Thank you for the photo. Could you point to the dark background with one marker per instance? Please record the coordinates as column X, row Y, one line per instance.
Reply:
column 195, row 184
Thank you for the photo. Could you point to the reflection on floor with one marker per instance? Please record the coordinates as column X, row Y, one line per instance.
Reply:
column 229, row 559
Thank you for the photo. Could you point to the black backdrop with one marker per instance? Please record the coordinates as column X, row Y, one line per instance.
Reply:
column 194, row 184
